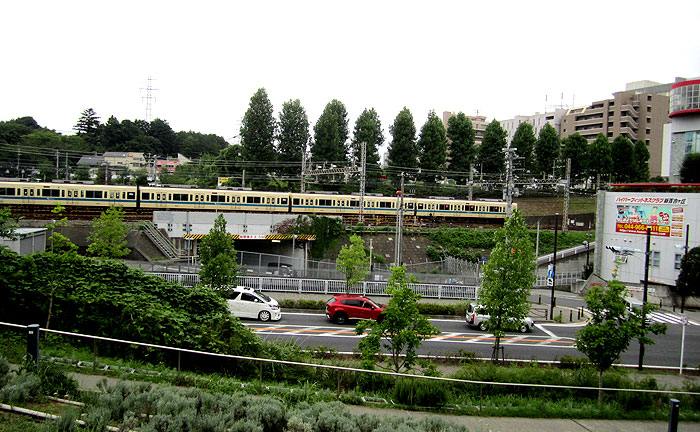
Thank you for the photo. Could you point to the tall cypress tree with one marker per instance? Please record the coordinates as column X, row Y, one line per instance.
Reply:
column 403, row 150
column 432, row 145
column 331, row 134
column 576, row 149
column 600, row 155
column 461, row 135
column 491, row 156
column 368, row 129
column 258, row 134
column 547, row 149
column 641, row 161
column 524, row 143
column 622, row 152
column 293, row 135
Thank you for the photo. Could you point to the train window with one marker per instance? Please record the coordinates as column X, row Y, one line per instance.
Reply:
column 228, row 198
column 70, row 194
column 8, row 191
column 130, row 195
column 283, row 200
column 82, row 194
column 354, row 203
column 196, row 198
column 111, row 195
column 420, row 206
column 238, row 199
column 63, row 193
column 49, row 192
column 31, row 192
column 295, row 201
column 253, row 200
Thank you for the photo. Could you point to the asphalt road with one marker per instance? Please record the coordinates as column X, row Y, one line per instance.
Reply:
column 548, row 341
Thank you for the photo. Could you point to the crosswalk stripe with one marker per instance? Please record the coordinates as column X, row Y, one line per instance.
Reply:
column 664, row 317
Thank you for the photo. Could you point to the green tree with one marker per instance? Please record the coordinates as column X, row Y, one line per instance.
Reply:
column 59, row 242
column 108, row 238
column 576, row 149
column 368, row 129
column 403, row 150
column 600, row 155
column 612, row 327
column 8, row 224
column 690, row 169
column 331, row 134
column 293, row 136
column 547, row 149
column 641, row 161
column 491, row 156
column 432, row 146
column 353, row 262
column 622, row 152
column 524, row 141
column 195, row 144
column 688, row 282
column 258, row 134
column 400, row 332
column 167, row 142
column 508, row 277
column 461, row 135
column 88, row 127
column 218, row 257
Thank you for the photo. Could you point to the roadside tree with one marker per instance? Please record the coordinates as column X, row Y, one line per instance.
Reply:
column 353, row 262
column 690, row 170
column 612, row 328
column 576, row 149
column 524, row 141
column 490, row 151
column 218, row 257
column 108, row 238
column 641, row 161
column 258, row 135
column 403, row 150
column 547, row 149
column 461, row 135
column 331, row 134
column 600, row 155
column 293, row 136
column 622, row 152
column 688, row 282
column 400, row 332
column 432, row 145
column 508, row 277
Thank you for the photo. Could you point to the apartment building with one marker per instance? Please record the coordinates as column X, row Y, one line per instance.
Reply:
column 682, row 135
column 537, row 120
column 638, row 113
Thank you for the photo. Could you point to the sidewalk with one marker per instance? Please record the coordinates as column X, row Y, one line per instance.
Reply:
column 485, row 424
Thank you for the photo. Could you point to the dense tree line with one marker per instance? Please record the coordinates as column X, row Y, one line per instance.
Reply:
column 269, row 155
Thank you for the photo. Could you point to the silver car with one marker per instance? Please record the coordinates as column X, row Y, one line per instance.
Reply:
column 476, row 317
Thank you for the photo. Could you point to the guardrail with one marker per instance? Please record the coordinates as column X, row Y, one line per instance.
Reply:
column 33, row 351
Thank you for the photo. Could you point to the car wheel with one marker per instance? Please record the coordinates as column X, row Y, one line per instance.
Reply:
column 380, row 318
column 524, row 328
column 482, row 326
column 264, row 316
column 341, row 318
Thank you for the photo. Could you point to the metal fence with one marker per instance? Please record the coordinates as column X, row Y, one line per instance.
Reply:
column 331, row 286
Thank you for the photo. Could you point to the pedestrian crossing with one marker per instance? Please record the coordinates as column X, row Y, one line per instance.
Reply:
column 664, row 318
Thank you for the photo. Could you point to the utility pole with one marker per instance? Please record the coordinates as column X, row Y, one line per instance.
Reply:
column 303, row 172
column 399, row 224
column 57, row 156
column 471, row 181
column 18, row 152
column 509, row 180
column 554, row 268
column 243, row 178
column 565, row 225
column 644, row 298
column 363, row 163
column 67, row 166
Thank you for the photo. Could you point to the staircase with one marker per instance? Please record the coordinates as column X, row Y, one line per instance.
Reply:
column 161, row 241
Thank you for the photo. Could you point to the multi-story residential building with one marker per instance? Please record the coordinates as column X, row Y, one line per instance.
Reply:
column 479, row 123
column 125, row 160
column 537, row 120
column 638, row 113
column 682, row 135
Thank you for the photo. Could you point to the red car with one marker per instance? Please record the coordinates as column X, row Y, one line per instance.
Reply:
column 343, row 307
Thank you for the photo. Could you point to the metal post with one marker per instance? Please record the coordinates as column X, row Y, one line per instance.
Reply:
column 683, row 324
column 644, row 298
column 363, row 161
column 565, row 225
column 471, row 181
column 673, row 415
column 33, row 342
column 554, row 267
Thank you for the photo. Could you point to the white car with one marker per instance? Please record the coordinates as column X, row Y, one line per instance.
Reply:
column 245, row 302
column 477, row 318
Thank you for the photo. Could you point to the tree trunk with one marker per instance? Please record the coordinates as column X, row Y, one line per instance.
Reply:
column 600, row 389
column 496, row 349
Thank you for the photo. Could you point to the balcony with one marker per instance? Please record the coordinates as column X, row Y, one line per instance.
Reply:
column 630, row 109
column 631, row 133
column 629, row 120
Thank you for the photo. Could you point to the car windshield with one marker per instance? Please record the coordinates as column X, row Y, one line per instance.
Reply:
column 372, row 303
column 263, row 296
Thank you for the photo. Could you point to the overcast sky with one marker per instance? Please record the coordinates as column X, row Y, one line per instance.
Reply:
column 207, row 58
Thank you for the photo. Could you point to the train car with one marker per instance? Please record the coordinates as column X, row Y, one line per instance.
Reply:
column 66, row 194
column 178, row 198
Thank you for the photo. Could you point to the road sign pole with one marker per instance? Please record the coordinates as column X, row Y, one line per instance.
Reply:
column 684, row 323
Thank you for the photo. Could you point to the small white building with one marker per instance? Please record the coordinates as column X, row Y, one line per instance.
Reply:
column 621, row 233
column 26, row 241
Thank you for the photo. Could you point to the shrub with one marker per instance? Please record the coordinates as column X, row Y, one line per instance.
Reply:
column 53, row 380
column 21, row 387
column 420, row 392
column 569, row 362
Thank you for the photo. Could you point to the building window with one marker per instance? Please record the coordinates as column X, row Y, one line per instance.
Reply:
column 648, row 109
column 648, row 120
column 655, row 259
column 677, row 261
column 648, row 131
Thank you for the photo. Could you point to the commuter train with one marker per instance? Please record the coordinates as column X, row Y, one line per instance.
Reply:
column 76, row 195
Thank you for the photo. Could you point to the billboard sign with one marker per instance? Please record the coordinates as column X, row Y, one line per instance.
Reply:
column 664, row 215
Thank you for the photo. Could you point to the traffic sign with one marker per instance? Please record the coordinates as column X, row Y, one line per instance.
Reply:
column 550, row 282
column 684, row 320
